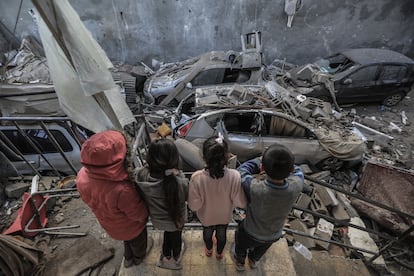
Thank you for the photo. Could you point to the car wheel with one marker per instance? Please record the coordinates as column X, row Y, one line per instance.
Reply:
column 393, row 99
column 330, row 164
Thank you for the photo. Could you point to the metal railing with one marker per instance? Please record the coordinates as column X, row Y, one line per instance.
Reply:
column 39, row 123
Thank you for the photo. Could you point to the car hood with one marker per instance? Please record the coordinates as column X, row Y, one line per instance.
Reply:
column 345, row 145
column 167, row 80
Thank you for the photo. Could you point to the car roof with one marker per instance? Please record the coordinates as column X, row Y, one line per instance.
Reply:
column 372, row 55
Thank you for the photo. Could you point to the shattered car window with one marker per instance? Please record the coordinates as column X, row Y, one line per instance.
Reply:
column 208, row 77
column 240, row 122
column 335, row 64
column 40, row 139
column 236, row 75
column 365, row 74
column 277, row 126
column 393, row 73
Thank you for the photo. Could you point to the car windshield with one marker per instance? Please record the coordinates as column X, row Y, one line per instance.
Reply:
column 178, row 69
column 334, row 64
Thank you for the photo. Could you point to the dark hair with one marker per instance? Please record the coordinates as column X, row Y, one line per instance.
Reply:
column 163, row 155
column 216, row 156
column 278, row 161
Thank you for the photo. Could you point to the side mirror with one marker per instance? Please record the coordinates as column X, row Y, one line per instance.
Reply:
column 189, row 85
column 347, row 81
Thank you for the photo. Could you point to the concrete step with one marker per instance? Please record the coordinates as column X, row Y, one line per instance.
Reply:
column 276, row 261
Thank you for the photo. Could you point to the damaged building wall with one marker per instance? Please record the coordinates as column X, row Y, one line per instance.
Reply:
column 132, row 31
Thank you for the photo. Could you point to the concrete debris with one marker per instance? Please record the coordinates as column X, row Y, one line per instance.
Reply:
column 362, row 239
column 59, row 218
column 327, row 196
column 404, row 118
column 300, row 226
column 16, row 190
column 393, row 128
column 324, row 229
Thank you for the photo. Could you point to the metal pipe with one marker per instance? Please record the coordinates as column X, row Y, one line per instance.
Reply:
column 36, row 148
column 390, row 243
column 373, row 202
column 343, row 223
column 48, row 119
column 328, row 241
column 65, row 233
column 15, row 149
column 57, row 146
column 57, row 191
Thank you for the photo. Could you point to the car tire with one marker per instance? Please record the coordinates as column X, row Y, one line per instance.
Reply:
column 393, row 99
column 330, row 164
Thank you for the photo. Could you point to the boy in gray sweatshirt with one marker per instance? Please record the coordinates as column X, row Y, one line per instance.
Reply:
column 269, row 203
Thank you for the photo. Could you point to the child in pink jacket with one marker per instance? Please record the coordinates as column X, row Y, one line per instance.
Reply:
column 214, row 192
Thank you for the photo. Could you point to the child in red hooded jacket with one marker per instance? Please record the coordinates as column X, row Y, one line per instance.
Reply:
column 105, row 186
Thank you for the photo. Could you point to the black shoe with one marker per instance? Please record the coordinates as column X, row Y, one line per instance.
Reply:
column 239, row 266
column 129, row 262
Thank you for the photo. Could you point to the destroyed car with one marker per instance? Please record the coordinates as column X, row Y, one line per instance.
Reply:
column 177, row 80
column 37, row 147
column 249, row 131
column 354, row 76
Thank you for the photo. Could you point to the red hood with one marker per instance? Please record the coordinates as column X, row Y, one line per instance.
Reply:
column 103, row 155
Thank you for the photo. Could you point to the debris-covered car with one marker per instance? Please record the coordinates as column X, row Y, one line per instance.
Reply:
column 177, row 80
column 42, row 148
column 354, row 76
column 251, row 130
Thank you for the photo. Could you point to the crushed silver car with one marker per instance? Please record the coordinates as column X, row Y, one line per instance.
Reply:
column 173, row 81
column 251, row 130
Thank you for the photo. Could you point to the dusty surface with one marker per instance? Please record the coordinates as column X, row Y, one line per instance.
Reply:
column 401, row 150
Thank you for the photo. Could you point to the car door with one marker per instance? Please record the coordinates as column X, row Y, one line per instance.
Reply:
column 391, row 79
column 241, row 128
column 300, row 140
column 358, row 86
column 40, row 138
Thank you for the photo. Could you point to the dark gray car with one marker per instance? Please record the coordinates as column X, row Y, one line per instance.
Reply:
column 355, row 76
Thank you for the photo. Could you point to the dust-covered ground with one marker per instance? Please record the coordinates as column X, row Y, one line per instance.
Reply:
column 390, row 121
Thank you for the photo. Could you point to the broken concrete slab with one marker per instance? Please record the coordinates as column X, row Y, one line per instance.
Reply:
column 326, row 195
column 340, row 213
column 324, row 229
column 17, row 189
column 317, row 204
column 301, row 227
column 303, row 200
column 362, row 239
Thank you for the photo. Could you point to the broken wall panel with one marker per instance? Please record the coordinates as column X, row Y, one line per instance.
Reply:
column 389, row 185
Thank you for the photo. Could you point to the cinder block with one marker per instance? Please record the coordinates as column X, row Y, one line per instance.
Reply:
column 301, row 227
column 16, row 190
column 324, row 229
